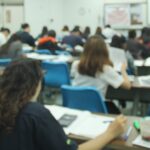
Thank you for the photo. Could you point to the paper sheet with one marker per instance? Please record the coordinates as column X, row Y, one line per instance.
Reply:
column 140, row 142
column 86, row 124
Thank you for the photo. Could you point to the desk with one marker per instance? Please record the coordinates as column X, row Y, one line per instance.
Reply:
column 136, row 94
column 117, row 144
column 54, row 58
column 143, row 70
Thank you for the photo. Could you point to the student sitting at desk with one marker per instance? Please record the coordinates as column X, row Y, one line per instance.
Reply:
column 96, row 69
column 27, row 125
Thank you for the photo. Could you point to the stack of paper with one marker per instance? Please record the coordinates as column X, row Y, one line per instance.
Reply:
column 118, row 57
column 147, row 62
column 140, row 142
column 86, row 124
column 143, row 81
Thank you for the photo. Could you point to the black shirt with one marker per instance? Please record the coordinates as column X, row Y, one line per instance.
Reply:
column 36, row 129
column 27, row 38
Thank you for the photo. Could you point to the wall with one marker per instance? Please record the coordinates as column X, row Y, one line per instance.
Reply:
column 83, row 12
column 11, row 16
column 1, row 16
column 43, row 12
column 90, row 12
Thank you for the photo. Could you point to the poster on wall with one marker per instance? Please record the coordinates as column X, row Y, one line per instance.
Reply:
column 136, row 14
column 117, row 15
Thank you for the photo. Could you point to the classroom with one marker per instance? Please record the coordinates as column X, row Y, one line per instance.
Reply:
column 74, row 75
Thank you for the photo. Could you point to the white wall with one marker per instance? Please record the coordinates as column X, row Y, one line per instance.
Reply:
column 1, row 16
column 90, row 12
column 11, row 16
column 43, row 12
column 83, row 13
column 69, row 12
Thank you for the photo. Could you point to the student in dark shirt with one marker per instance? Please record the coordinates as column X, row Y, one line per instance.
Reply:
column 25, row 35
column 27, row 125
column 74, row 38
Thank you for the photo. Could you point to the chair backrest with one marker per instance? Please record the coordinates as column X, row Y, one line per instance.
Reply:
column 43, row 51
column 5, row 61
column 84, row 98
column 56, row 74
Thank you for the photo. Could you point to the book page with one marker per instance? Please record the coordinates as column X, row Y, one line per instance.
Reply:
column 140, row 142
column 86, row 124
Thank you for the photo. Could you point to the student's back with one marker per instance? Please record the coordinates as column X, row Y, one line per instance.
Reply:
column 36, row 129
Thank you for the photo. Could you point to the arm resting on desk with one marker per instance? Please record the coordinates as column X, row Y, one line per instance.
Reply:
column 113, row 131
column 126, row 84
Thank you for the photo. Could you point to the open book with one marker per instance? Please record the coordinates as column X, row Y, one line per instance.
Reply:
column 86, row 124
column 118, row 57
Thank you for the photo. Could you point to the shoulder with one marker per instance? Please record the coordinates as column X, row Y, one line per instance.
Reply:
column 75, row 63
column 108, row 68
column 35, row 109
column 16, row 43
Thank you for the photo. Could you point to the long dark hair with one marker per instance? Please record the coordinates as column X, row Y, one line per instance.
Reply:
column 18, row 85
column 94, row 57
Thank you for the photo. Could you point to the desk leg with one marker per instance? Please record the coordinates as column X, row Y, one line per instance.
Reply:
column 135, row 104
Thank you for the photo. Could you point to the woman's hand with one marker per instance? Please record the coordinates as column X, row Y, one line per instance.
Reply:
column 116, row 128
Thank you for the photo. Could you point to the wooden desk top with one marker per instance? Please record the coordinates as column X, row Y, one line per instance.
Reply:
column 118, row 144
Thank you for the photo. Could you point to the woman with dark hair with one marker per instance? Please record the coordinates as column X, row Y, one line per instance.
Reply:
column 27, row 125
column 86, row 33
column 43, row 32
column 99, row 32
column 13, row 47
column 96, row 69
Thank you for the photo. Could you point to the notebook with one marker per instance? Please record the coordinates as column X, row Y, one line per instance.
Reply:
column 85, row 124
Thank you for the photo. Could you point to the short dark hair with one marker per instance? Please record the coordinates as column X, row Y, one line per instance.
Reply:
column 25, row 25
column 52, row 33
column 5, row 30
column 131, row 34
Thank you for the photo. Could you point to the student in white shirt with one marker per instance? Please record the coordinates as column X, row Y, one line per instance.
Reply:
column 4, row 33
column 96, row 69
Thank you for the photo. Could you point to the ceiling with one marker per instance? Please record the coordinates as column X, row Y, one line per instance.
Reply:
column 11, row 1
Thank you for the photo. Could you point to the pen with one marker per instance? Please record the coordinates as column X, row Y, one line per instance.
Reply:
column 107, row 121
column 128, row 133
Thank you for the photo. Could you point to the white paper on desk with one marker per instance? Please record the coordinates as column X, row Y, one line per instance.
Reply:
column 63, row 58
column 118, row 57
column 147, row 62
column 86, row 124
column 140, row 142
column 143, row 80
column 91, row 126
column 138, row 63
column 41, row 56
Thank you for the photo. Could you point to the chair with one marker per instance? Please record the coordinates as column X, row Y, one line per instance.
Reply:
column 5, row 61
column 84, row 98
column 43, row 51
column 56, row 75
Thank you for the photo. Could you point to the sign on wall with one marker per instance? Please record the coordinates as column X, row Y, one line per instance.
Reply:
column 121, row 15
